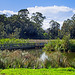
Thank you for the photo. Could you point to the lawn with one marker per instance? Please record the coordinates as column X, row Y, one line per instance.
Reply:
column 51, row 71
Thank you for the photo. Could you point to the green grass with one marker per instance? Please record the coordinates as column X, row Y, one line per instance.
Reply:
column 13, row 41
column 17, row 41
column 52, row 71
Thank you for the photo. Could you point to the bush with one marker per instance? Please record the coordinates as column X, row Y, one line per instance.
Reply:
column 66, row 43
column 60, row 45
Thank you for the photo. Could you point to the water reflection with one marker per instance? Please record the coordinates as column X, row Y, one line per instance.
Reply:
column 43, row 56
column 70, row 56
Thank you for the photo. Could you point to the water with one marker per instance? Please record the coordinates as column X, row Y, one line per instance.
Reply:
column 70, row 56
column 38, row 53
column 42, row 55
column 35, row 52
column 37, row 57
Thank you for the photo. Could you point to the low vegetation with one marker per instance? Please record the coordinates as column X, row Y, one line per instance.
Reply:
column 22, row 27
column 19, row 59
column 51, row 71
column 60, row 45
column 13, row 41
column 19, row 43
column 25, row 59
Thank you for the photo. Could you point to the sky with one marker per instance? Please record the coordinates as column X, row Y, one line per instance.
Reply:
column 58, row 10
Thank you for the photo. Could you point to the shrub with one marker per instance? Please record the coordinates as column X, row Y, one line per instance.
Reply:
column 50, row 46
column 66, row 43
column 60, row 45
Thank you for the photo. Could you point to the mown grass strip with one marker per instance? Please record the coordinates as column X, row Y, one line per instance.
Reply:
column 52, row 71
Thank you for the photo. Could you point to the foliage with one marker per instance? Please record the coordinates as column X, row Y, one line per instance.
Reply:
column 60, row 45
column 23, row 13
column 69, row 27
column 66, row 42
column 21, row 26
column 50, row 46
column 38, row 18
column 53, row 30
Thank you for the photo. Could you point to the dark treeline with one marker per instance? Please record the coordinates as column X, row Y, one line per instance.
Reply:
column 21, row 26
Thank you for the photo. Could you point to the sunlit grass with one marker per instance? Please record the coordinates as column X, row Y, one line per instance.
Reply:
column 52, row 71
column 17, row 41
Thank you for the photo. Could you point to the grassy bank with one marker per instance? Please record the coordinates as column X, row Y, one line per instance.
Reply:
column 52, row 71
column 32, row 43
column 20, row 43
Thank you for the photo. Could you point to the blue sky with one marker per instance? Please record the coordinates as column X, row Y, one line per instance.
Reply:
column 58, row 10
column 16, row 5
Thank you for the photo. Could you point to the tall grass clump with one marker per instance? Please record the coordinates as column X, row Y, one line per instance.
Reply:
column 19, row 59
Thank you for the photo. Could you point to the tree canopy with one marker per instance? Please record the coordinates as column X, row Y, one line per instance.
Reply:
column 21, row 26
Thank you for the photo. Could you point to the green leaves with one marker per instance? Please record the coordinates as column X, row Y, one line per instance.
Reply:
column 60, row 45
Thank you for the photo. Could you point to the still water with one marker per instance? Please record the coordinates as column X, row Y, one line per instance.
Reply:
column 42, row 55
column 70, row 56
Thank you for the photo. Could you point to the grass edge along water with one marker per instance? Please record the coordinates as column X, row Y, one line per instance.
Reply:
column 51, row 71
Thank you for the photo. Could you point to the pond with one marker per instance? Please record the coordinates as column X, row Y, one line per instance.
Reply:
column 39, row 53
column 36, row 58
column 70, row 56
column 55, row 59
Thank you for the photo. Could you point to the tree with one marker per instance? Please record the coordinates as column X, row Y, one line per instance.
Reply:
column 72, row 29
column 3, row 22
column 20, row 26
column 2, row 31
column 3, row 18
column 15, row 34
column 54, row 29
column 38, row 18
column 69, row 27
column 66, row 27
column 23, row 13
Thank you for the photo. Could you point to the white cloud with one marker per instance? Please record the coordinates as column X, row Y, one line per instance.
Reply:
column 73, row 11
column 57, row 13
column 50, row 9
column 8, row 12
